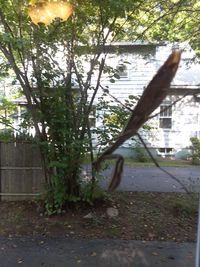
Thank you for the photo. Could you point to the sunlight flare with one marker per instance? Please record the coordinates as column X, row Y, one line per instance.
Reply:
column 46, row 11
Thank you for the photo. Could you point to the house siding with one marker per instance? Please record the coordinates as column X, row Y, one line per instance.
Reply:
column 140, row 67
column 185, row 114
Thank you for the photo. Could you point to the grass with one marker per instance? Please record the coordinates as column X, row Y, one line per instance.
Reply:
column 162, row 162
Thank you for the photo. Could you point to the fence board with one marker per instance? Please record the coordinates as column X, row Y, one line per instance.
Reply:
column 20, row 154
column 21, row 171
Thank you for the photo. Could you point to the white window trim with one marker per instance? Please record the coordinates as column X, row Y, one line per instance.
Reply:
column 167, row 104
column 163, row 154
column 123, row 77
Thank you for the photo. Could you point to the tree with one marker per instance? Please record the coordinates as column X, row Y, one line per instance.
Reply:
column 55, row 66
column 8, row 109
column 174, row 20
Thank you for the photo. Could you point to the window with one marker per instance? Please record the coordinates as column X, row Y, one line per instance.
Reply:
column 165, row 151
column 92, row 117
column 165, row 116
column 122, row 70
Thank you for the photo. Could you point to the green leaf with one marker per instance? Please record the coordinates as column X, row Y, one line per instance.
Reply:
column 112, row 80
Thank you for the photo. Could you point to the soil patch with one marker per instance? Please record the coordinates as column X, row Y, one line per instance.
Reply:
column 142, row 216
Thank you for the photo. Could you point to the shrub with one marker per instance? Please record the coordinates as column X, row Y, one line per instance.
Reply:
column 195, row 150
column 141, row 154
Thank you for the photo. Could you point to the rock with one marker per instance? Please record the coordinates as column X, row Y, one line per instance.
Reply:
column 112, row 212
column 89, row 216
column 40, row 209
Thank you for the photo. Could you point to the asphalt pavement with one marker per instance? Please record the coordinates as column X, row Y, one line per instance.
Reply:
column 152, row 179
column 61, row 252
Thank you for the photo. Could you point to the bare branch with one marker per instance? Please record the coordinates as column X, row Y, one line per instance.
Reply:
column 97, row 84
column 115, row 98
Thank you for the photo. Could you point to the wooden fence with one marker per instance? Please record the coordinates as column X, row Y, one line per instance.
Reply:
column 21, row 174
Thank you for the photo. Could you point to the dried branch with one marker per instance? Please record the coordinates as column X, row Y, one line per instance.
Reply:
column 150, row 100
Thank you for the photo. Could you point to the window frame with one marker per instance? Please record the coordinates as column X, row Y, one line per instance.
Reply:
column 121, row 73
column 92, row 117
column 165, row 113
column 165, row 151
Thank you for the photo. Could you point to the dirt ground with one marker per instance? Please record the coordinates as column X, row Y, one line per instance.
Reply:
column 142, row 216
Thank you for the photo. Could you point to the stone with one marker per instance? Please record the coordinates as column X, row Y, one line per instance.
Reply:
column 88, row 216
column 112, row 212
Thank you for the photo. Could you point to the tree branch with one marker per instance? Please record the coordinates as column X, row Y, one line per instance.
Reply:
column 151, row 98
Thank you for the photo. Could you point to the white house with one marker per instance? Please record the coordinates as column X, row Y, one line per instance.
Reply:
column 137, row 64
column 173, row 127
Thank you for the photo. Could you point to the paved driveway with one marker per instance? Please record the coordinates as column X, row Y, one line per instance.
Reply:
column 61, row 252
column 154, row 180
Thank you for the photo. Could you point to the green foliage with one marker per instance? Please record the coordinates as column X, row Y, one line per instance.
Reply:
column 7, row 109
column 185, row 207
column 114, row 119
column 176, row 21
column 54, row 200
column 6, row 136
column 91, row 192
column 55, row 197
column 140, row 154
column 195, row 149
column 114, row 116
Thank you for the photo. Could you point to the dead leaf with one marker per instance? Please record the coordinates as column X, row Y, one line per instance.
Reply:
column 155, row 254
column 19, row 260
column 93, row 254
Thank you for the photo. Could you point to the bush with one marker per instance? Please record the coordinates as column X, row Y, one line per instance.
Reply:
column 185, row 207
column 6, row 135
column 195, row 150
column 141, row 154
